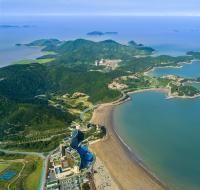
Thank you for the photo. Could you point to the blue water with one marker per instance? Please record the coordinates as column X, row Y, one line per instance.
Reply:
column 168, row 35
column 190, row 71
column 165, row 135
column 7, row 175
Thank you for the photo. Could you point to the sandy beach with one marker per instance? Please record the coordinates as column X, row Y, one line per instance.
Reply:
column 125, row 170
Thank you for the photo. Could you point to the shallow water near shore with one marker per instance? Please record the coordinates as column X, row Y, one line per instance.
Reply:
column 165, row 135
column 190, row 71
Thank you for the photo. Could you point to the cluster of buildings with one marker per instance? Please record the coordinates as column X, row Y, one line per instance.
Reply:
column 108, row 63
column 69, row 165
column 117, row 86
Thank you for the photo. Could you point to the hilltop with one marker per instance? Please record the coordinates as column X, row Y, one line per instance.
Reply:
column 40, row 97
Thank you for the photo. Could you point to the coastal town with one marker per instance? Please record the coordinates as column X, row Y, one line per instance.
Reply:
column 70, row 166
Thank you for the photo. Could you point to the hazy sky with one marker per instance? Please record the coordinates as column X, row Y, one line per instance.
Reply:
column 101, row 7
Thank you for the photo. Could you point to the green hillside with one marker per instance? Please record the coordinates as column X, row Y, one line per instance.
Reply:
column 86, row 51
column 33, row 96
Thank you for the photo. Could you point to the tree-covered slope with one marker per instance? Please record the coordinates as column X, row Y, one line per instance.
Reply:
column 25, row 92
column 23, row 118
column 24, row 82
column 86, row 51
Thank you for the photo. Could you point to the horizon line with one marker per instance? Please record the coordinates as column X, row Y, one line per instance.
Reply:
column 105, row 14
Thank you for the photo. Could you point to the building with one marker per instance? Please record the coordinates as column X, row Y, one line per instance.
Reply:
column 109, row 63
column 53, row 185
column 69, row 165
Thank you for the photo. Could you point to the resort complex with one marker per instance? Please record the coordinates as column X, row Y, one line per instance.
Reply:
column 70, row 165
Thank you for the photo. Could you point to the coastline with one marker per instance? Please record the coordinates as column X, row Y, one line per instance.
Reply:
column 126, row 169
column 178, row 66
column 163, row 90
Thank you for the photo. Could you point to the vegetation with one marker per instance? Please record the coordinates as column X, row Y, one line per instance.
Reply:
column 31, row 94
column 33, row 173
column 85, row 186
column 184, row 90
column 18, row 120
column 37, row 99
column 141, row 64
column 82, row 51
column 28, row 172
column 29, row 61
column 13, row 166
column 94, row 133
column 25, row 82
column 37, row 146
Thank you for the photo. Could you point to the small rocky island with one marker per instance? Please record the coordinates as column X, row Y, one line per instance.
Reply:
column 99, row 33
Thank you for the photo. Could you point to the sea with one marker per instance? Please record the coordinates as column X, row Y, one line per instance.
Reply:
column 167, row 35
column 165, row 133
column 189, row 70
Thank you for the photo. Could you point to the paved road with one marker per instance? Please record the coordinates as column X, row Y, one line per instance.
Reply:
column 41, row 155
column 95, row 106
column 86, row 110
column 17, row 176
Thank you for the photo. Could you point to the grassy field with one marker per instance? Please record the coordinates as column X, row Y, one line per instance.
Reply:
column 13, row 166
column 29, row 61
column 3, row 166
column 33, row 180
column 28, row 172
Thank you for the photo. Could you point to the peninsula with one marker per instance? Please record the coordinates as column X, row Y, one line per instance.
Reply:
column 70, row 90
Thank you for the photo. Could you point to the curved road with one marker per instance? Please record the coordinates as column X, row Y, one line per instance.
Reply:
column 17, row 176
column 123, row 96
column 41, row 155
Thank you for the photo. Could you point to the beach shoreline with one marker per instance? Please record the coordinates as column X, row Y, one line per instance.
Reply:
column 113, row 146
column 125, row 167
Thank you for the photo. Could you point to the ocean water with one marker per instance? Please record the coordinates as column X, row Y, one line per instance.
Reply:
column 168, row 35
column 190, row 71
column 165, row 135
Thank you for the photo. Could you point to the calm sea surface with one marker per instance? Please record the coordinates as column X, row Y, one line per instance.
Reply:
column 189, row 71
column 165, row 134
column 170, row 35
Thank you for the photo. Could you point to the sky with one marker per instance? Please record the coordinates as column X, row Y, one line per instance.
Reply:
column 100, row 7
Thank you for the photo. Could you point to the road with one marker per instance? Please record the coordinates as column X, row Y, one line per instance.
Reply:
column 123, row 96
column 17, row 176
column 41, row 155
column 86, row 110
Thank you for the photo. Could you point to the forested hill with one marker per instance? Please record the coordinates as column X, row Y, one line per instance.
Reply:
column 28, row 91
column 24, row 82
column 25, row 92
column 86, row 51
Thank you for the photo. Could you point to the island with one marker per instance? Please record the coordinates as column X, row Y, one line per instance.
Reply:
column 15, row 26
column 57, row 110
column 99, row 33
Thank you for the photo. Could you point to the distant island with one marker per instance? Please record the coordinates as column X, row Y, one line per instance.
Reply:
column 99, row 33
column 15, row 26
